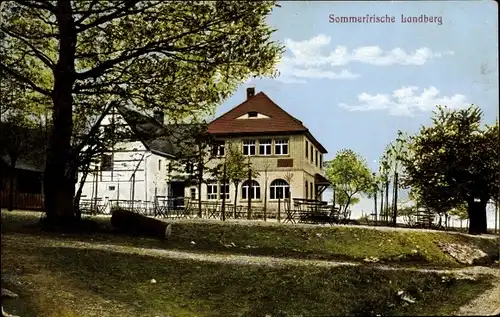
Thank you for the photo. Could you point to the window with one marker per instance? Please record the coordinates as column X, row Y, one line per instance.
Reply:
column 106, row 162
column 312, row 149
column 317, row 154
column 265, row 147
column 281, row 147
column 218, row 148
column 307, row 149
column 321, row 161
column 159, row 165
column 252, row 114
column 224, row 189
column 111, row 187
column 189, row 168
column 279, row 189
column 253, row 192
column 249, row 147
column 192, row 193
column 307, row 190
column 212, row 191
column 311, row 190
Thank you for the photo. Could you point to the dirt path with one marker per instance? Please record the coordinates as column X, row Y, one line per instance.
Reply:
column 486, row 304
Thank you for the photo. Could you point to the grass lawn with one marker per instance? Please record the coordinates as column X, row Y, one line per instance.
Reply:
column 313, row 242
column 55, row 280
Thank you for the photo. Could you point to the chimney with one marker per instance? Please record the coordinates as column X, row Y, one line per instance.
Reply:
column 159, row 116
column 250, row 92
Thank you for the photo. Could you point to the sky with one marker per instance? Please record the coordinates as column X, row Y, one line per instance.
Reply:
column 354, row 85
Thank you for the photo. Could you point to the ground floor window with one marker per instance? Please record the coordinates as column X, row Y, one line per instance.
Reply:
column 212, row 191
column 252, row 191
column 279, row 189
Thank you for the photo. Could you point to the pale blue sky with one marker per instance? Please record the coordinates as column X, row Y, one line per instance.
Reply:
column 346, row 99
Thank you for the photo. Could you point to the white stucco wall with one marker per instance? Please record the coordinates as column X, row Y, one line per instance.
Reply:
column 117, row 184
column 150, row 176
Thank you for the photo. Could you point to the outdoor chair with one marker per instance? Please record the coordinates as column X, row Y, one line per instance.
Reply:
column 213, row 210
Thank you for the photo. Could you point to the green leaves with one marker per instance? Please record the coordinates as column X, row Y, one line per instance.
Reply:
column 350, row 174
column 182, row 59
column 454, row 160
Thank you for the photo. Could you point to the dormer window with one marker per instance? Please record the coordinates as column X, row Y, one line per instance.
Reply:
column 253, row 115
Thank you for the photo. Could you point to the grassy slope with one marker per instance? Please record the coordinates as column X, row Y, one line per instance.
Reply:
column 60, row 281
column 76, row 282
column 315, row 242
column 338, row 242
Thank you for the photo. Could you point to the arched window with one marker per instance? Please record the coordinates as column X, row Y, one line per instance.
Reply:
column 253, row 193
column 279, row 189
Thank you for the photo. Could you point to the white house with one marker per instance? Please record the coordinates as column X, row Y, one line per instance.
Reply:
column 137, row 168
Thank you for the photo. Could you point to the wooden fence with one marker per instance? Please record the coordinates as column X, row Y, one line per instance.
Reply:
column 25, row 201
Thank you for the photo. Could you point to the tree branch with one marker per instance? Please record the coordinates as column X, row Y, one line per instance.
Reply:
column 157, row 46
column 45, row 59
column 26, row 81
column 86, row 13
column 115, row 15
column 44, row 5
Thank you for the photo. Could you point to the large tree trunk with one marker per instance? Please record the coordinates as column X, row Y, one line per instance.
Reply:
column 477, row 216
column 59, row 187
column 12, row 177
column 265, row 197
column 235, row 198
column 387, row 202
column 200, row 183
column 249, row 212
column 224, row 194
column 395, row 204
column 381, row 204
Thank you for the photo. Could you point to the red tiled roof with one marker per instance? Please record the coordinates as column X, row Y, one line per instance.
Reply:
column 279, row 120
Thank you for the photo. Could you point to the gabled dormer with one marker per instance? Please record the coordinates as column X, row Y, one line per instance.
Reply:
column 253, row 115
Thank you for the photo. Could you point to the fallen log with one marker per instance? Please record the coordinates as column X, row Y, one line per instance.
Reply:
column 133, row 223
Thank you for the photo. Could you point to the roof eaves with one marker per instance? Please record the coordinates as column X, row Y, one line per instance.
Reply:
column 316, row 142
column 166, row 155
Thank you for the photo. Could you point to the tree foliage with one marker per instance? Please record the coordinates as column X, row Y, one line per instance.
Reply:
column 238, row 168
column 181, row 59
column 193, row 157
column 395, row 152
column 455, row 161
column 350, row 175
